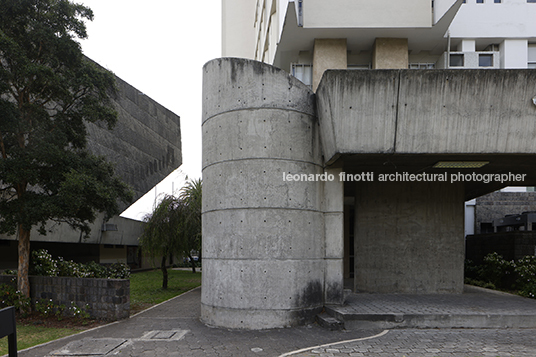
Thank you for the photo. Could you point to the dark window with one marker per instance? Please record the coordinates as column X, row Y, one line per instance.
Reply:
column 456, row 60
column 479, row 1
column 485, row 60
column 497, row 1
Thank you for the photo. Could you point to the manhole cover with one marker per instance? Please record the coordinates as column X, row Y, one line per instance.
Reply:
column 90, row 347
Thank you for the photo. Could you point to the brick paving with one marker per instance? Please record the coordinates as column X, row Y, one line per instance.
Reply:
column 173, row 329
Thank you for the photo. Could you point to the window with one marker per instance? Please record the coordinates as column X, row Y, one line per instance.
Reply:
column 359, row 66
column 497, row 1
column 485, row 60
column 304, row 72
column 479, row 1
column 532, row 55
column 534, row 1
column 421, row 65
column 456, row 60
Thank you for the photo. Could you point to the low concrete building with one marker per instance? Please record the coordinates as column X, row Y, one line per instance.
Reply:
column 145, row 147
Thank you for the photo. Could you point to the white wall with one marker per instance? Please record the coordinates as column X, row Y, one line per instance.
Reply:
column 514, row 53
column 509, row 19
column 367, row 13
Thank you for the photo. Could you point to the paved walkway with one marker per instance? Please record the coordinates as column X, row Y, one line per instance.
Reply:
column 173, row 329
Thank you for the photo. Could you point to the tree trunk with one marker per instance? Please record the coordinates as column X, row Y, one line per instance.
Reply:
column 23, row 282
column 164, row 272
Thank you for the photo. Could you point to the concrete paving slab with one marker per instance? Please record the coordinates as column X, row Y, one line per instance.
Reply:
column 475, row 308
column 90, row 347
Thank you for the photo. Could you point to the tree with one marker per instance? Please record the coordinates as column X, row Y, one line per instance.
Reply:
column 191, row 195
column 174, row 227
column 48, row 92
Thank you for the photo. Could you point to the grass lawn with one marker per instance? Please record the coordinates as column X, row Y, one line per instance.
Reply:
column 145, row 291
column 29, row 335
column 146, row 288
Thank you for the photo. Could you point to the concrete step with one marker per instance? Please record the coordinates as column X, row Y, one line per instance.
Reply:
column 476, row 308
column 329, row 322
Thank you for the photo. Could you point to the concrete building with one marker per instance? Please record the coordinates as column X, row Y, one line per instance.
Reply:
column 145, row 147
column 317, row 173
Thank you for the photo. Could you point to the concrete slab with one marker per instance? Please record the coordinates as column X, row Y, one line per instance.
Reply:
column 475, row 308
column 90, row 347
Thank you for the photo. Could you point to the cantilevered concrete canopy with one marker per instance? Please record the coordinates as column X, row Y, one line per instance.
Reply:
column 406, row 121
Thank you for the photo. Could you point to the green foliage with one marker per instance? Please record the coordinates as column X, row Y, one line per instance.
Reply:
column 48, row 93
column 174, row 226
column 10, row 296
column 44, row 264
column 498, row 273
column 495, row 269
column 48, row 308
column 118, row 271
column 525, row 270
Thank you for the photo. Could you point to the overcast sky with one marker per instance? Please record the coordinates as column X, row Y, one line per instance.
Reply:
column 159, row 47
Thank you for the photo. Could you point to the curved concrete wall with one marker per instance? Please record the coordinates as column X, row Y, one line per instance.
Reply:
column 263, row 251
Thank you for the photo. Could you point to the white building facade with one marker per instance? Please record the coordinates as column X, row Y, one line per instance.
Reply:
column 304, row 37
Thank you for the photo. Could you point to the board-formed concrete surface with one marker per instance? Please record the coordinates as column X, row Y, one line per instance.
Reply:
column 144, row 145
column 263, row 249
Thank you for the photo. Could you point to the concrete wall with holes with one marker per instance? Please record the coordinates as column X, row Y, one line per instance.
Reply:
column 263, row 240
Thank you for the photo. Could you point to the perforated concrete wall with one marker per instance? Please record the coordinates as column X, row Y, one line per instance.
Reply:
column 263, row 250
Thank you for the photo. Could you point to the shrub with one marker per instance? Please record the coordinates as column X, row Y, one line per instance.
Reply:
column 525, row 269
column 496, row 270
column 118, row 271
column 43, row 264
column 10, row 296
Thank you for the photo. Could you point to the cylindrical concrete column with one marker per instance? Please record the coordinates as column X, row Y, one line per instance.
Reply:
column 263, row 252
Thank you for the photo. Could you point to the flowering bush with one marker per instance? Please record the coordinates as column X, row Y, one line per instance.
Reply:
column 48, row 308
column 525, row 268
column 496, row 272
column 43, row 264
column 118, row 271
column 9, row 296
column 79, row 312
